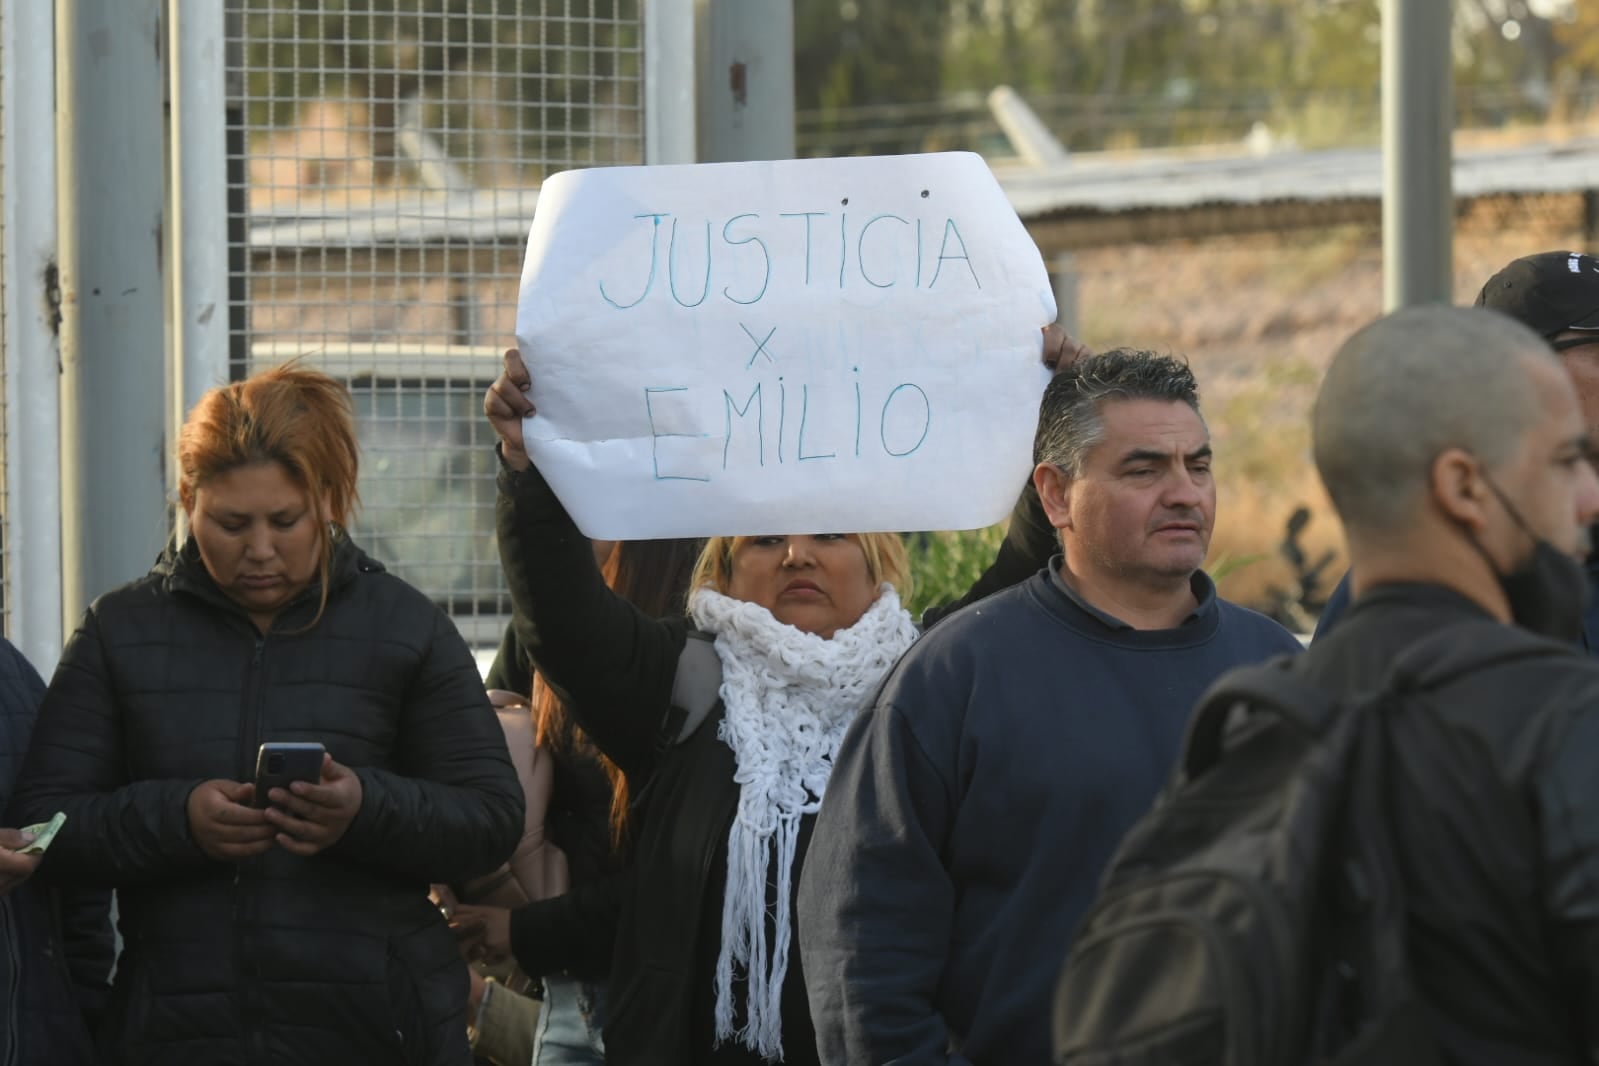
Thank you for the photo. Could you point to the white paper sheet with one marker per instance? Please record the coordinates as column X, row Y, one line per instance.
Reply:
column 803, row 346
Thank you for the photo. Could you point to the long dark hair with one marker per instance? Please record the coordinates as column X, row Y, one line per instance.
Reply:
column 653, row 575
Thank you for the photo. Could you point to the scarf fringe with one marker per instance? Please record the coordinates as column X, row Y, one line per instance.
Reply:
column 788, row 697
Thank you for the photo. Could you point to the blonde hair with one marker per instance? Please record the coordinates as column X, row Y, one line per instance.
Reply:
column 886, row 560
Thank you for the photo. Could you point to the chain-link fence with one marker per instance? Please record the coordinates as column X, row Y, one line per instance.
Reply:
column 386, row 157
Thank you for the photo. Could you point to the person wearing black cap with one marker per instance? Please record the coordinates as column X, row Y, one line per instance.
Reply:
column 1556, row 295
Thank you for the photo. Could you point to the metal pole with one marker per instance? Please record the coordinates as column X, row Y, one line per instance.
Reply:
column 199, row 205
column 109, row 133
column 669, row 118
column 1418, row 159
column 746, row 80
column 33, row 456
column 238, row 149
column 1063, row 279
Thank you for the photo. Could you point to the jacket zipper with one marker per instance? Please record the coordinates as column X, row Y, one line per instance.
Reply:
column 243, row 900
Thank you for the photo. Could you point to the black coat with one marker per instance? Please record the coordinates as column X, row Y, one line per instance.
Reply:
column 615, row 668
column 1496, row 817
column 338, row 958
column 50, row 971
column 574, row 933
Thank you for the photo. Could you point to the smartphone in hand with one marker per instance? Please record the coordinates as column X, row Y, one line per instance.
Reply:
column 281, row 763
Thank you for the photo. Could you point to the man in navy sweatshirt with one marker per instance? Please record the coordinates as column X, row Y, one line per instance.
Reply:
column 975, row 804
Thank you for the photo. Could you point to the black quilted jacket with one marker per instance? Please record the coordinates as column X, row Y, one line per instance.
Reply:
column 336, row 959
column 52, row 972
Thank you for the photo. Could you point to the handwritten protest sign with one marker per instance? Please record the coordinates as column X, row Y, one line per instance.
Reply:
column 836, row 345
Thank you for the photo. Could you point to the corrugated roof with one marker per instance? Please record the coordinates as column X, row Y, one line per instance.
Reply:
column 1310, row 177
column 1083, row 184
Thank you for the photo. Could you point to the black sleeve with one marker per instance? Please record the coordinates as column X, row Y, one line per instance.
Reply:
column 117, row 833
column 511, row 669
column 573, row 933
column 876, row 908
column 454, row 808
column 1568, row 823
column 610, row 664
column 83, row 914
column 1029, row 543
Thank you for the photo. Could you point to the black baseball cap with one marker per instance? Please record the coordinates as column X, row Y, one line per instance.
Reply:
column 1550, row 292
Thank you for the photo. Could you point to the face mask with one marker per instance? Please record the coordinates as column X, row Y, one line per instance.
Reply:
column 1548, row 591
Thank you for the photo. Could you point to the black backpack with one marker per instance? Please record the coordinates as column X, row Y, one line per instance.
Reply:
column 1256, row 916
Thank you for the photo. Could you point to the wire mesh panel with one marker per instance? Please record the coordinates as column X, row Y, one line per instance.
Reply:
column 388, row 154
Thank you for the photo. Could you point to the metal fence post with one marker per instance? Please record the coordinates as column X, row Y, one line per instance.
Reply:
column 32, row 453
column 1418, row 157
column 1063, row 278
column 669, row 111
column 109, row 132
column 199, row 205
column 746, row 80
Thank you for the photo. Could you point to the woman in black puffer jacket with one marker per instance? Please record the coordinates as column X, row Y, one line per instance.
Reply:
column 300, row 933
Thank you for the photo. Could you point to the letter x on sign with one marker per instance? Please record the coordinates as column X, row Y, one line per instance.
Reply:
column 760, row 345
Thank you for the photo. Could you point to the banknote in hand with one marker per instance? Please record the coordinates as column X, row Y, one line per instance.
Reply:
column 43, row 834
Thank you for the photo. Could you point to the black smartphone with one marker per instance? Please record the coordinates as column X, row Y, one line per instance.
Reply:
column 280, row 763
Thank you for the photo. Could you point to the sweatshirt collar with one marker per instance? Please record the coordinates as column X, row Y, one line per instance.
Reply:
column 1203, row 587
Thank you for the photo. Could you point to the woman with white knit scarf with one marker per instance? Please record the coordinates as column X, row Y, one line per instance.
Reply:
column 805, row 627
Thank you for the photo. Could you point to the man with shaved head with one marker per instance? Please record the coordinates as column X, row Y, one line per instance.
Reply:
column 1556, row 295
column 1453, row 446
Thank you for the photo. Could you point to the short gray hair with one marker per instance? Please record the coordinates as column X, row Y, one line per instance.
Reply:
column 1069, row 422
column 1406, row 388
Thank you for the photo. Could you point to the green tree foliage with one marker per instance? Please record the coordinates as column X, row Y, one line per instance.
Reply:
column 849, row 52
column 945, row 565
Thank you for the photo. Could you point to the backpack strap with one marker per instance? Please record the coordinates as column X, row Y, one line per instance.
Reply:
column 1272, row 687
column 696, row 689
column 1275, row 688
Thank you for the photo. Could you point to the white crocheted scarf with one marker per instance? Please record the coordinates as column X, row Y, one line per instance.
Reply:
column 788, row 696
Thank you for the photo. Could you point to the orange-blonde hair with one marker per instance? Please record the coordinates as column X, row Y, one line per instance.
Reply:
column 300, row 419
column 886, row 560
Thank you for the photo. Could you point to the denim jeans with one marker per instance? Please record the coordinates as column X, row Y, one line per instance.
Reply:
column 570, row 1024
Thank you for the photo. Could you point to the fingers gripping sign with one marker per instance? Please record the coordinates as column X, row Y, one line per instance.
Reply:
column 1061, row 349
column 506, row 404
column 311, row 818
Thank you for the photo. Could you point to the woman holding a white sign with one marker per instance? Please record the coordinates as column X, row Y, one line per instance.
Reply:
column 725, row 723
